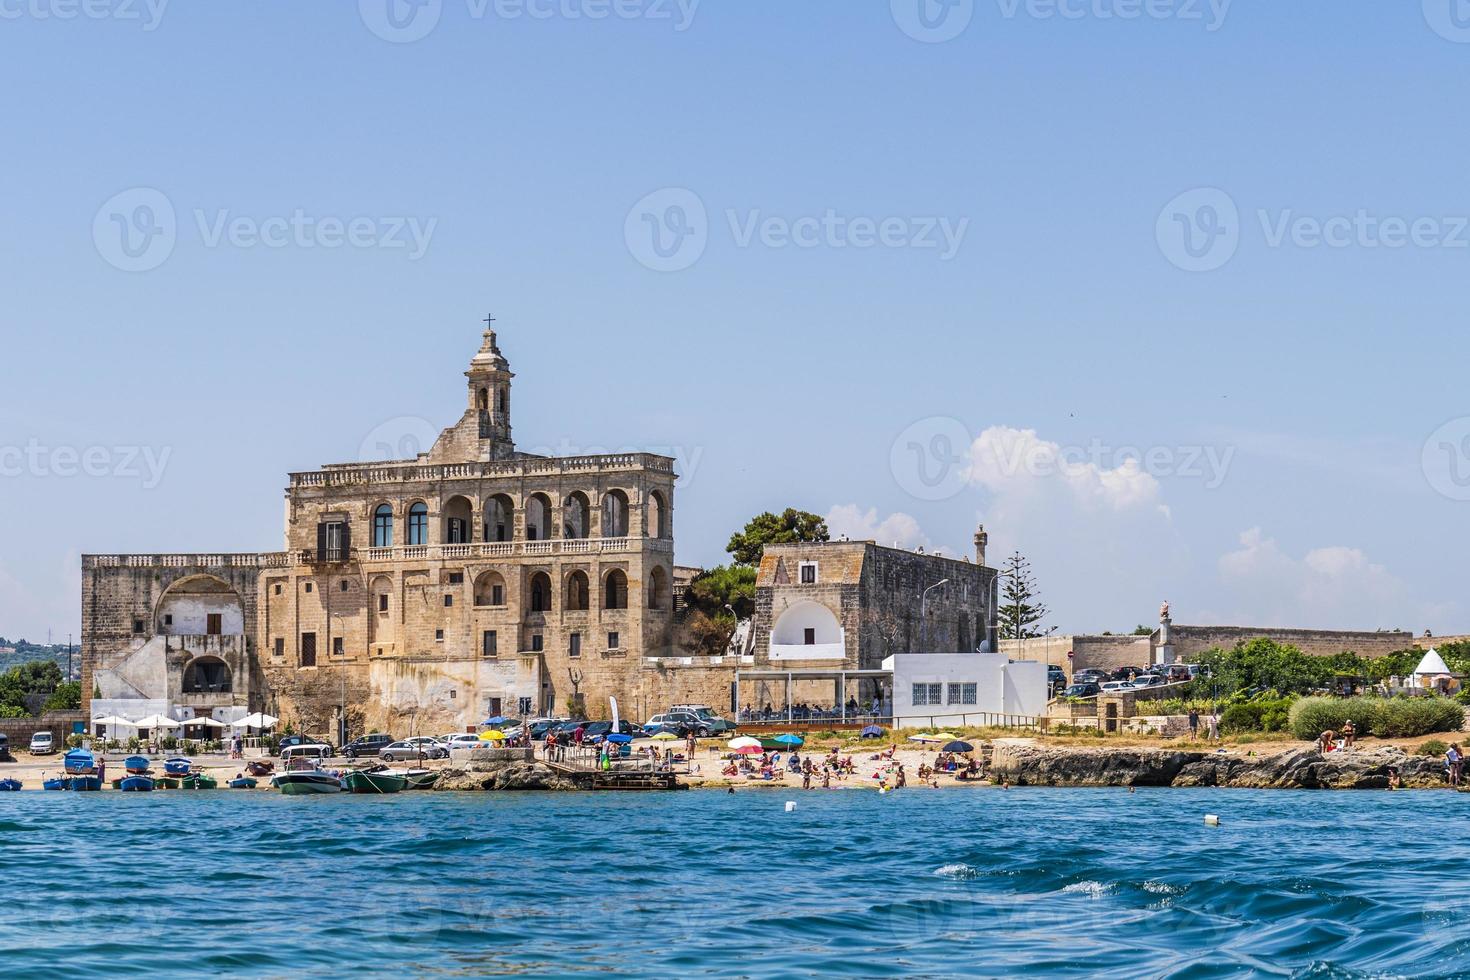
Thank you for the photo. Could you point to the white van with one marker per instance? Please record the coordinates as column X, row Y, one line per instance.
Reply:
column 42, row 744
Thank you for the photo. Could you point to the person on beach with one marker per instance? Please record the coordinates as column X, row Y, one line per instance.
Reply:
column 1349, row 732
column 1214, row 723
column 1327, row 741
column 1395, row 781
column 1194, row 724
column 1454, row 761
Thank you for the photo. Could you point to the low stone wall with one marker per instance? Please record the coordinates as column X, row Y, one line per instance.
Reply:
column 1189, row 641
column 58, row 723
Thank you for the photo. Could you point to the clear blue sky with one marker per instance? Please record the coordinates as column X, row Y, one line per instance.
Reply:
column 784, row 374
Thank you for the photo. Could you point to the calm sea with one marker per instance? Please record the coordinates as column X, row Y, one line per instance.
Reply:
column 920, row 883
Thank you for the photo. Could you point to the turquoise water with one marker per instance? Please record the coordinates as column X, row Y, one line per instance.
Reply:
column 958, row 882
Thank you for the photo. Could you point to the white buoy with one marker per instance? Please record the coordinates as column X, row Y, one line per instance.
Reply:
column 790, row 805
column 1211, row 820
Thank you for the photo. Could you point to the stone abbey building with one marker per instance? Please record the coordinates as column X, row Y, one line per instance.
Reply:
column 422, row 596
column 413, row 596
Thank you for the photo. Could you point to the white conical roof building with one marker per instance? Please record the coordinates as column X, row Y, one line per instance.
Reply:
column 1432, row 663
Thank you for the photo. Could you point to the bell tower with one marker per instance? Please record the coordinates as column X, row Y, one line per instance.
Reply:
column 489, row 393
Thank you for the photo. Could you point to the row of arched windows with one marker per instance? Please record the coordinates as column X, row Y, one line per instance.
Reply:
column 577, row 591
column 499, row 519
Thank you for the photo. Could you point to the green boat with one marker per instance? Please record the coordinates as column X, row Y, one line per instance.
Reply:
column 421, row 778
column 374, row 782
column 167, row 782
column 198, row 782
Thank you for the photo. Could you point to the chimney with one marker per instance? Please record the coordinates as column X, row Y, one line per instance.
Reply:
column 981, row 540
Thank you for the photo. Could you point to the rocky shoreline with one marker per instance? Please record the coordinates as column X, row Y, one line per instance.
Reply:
column 1306, row 768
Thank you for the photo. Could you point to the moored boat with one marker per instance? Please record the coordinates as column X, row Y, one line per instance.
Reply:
column 53, row 784
column 135, row 784
column 199, row 781
column 167, row 782
column 306, row 781
column 177, row 767
column 242, row 782
column 421, row 778
column 382, row 781
column 84, row 784
column 10, row 785
column 79, row 762
column 136, row 764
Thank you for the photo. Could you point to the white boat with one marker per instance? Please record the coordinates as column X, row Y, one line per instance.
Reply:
column 302, row 781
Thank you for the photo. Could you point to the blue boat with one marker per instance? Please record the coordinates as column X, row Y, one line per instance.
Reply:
column 136, row 764
column 53, row 784
column 136, row 784
column 79, row 762
column 177, row 767
column 244, row 782
column 84, row 784
column 10, row 785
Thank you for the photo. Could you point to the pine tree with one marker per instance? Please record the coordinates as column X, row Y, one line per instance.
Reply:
column 1021, row 608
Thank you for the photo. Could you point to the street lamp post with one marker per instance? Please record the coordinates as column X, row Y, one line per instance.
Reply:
column 924, row 610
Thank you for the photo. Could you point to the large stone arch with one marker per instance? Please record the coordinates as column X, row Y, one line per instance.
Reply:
column 807, row 630
column 188, row 605
column 207, row 675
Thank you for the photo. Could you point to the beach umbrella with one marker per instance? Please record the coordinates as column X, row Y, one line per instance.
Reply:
column 671, row 737
column 497, row 720
column 750, row 750
column 925, row 738
column 206, row 721
column 619, row 739
column 492, row 736
column 958, row 746
column 872, row 731
column 743, row 741
column 113, row 721
column 789, row 740
column 156, row 721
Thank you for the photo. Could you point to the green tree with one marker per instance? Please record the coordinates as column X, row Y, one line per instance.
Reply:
column 20, row 682
column 66, row 697
column 1021, row 607
column 713, row 589
column 790, row 526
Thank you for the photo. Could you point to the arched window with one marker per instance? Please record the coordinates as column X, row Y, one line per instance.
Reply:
column 615, row 514
column 484, row 400
column 490, row 589
column 499, row 518
column 502, row 401
column 418, row 524
column 207, row 675
column 383, row 527
column 540, row 592
column 538, row 517
column 658, row 521
column 576, row 516
column 615, row 590
column 457, row 521
column 658, row 588
column 579, row 592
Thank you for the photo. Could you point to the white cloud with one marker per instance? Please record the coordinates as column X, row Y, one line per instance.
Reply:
column 864, row 525
column 1333, row 587
column 1003, row 460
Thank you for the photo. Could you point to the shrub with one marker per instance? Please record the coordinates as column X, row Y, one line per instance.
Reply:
column 1384, row 717
column 1432, row 747
column 1240, row 718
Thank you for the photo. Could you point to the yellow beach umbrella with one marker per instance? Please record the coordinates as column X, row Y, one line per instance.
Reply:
column 666, row 737
column 492, row 736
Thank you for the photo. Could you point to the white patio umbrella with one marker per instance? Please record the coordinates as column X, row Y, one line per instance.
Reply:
column 113, row 721
column 206, row 721
column 156, row 721
column 256, row 720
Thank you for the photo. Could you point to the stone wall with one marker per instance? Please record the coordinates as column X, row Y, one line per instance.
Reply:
column 1190, row 641
column 1088, row 651
column 58, row 723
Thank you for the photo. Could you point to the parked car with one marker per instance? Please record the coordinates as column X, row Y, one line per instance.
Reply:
column 711, row 721
column 42, row 744
column 367, row 745
column 540, row 727
column 1083, row 691
column 1056, row 679
column 1149, row 680
column 1091, row 675
column 1109, row 687
column 464, row 741
column 293, row 741
column 426, row 748
column 685, row 719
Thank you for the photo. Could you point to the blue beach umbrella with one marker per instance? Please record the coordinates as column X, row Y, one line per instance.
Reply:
column 497, row 720
column 872, row 731
column 620, row 739
column 791, row 740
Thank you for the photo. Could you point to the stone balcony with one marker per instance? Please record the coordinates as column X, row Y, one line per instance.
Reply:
column 376, row 474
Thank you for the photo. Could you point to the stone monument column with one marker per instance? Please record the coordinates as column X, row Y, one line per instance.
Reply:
column 1164, row 651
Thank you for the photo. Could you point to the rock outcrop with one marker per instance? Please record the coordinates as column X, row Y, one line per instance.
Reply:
column 504, row 777
column 1306, row 768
